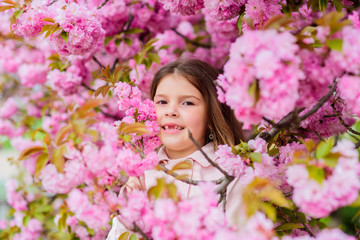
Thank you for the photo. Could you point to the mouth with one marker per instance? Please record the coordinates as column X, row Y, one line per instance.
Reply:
column 172, row 128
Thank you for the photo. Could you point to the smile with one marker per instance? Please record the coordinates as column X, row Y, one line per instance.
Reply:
column 172, row 127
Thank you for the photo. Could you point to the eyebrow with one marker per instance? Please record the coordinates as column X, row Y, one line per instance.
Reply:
column 182, row 96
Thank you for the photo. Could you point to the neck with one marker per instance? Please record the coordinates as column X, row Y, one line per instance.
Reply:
column 173, row 154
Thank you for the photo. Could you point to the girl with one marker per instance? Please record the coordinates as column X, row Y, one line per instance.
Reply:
column 185, row 98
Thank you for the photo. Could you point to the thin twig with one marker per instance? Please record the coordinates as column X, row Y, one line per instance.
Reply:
column 178, row 177
column 320, row 103
column 102, row 111
column 97, row 61
column 129, row 21
column 191, row 41
column 114, row 65
column 103, row 4
column 187, row 180
column 357, row 145
column 138, row 229
column 343, row 122
column 52, row 2
column 87, row 87
column 330, row 115
column 214, row 164
column 137, row 149
column 109, row 115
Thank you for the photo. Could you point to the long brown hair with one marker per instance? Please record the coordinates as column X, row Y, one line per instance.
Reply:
column 221, row 120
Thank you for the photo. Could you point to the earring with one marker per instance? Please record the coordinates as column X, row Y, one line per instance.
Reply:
column 211, row 135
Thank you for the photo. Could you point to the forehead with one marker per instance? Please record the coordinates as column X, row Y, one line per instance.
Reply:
column 175, row 84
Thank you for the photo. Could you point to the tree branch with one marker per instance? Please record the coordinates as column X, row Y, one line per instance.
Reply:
column 87, row 87
column 97, row 61
column 293, row 118
column 52, row 2
column 191, row 41
column 114, row 65
column 128, row 23
column 103, row 4
column 137, row 229
column 320, row 103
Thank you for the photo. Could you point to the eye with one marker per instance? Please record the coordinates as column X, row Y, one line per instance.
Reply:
column 161, row 102
column 188, row 103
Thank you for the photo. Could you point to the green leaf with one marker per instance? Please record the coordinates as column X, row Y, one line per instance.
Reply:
column 338, row 5
column 26, row 219
column 62, row 222
column 157, row 190
column 331, row 159
column 118, row 41
column 239, row 23
column 173, row 191
column 335, row 44
column 17, row 13
column 323, row 4
column 149, row 45
column 255, row 157
column 108, row 39
column 288, row 226
column 64, row 35
column 316, row 173
column 128, row 41
column 125, row 137
column 41, row 161
column 134, row 237
column 182, row 165
column 274, row 151
column 59, row 160
column 154, row 57
column 324, row 148
column 124, row 236
column 254, row 91
column 269, row 210
column 134, row 31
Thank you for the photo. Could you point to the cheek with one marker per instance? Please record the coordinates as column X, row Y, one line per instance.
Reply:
column 197, row 121
column 158, row 114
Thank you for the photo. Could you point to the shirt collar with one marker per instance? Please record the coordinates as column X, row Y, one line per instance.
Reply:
column 196, row 156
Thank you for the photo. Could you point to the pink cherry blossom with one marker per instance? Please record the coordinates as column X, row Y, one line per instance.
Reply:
column 9, row 108
column 184, row 7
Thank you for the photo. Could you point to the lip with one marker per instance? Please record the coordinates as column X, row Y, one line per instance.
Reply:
column 171, row 128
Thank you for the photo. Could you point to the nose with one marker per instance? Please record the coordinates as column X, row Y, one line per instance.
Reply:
column 172, row 111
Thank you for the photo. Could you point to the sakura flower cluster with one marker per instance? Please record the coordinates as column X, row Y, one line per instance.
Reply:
column 65, row 82
column 84, row 33
column 184, row 7
column 166, row 219
column 262, row 76
column 232, row 164
column 224, row 10
column 347, row 85
column 338, row 189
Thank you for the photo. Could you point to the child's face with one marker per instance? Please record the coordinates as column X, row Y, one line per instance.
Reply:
column 180, row 107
